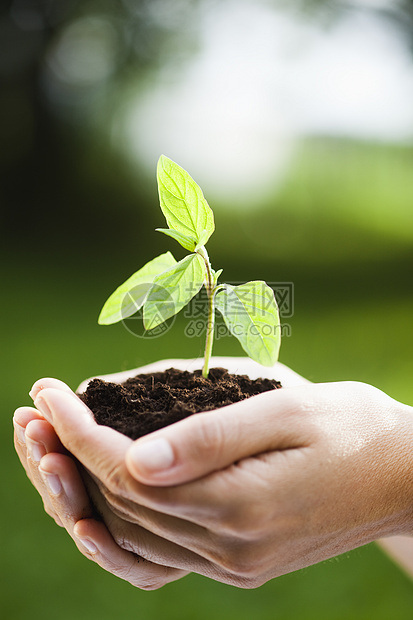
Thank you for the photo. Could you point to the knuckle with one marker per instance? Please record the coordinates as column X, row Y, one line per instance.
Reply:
column 67, row 516
column 114, row 478
column 134, row 574
column 145, row 555
column 122, row 541
column 49, row 511
column 142, row 560
column 120, row 507
column 62, row 517
column 210, row 436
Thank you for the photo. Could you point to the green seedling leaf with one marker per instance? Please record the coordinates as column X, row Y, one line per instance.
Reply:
column 251, row 315
column 216, row 275
column 189, row 243
column 203, row 238
column 130, row 296
column 183, row 203
column 173, row 289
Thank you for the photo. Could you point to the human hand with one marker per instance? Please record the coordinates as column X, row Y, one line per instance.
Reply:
column 61, row 483
column 326, row 479
column 33, row 430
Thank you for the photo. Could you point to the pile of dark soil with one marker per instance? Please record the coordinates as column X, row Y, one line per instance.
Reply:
column 148, row 402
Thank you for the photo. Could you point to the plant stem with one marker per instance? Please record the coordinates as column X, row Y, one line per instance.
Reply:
column 210, row 334
column 210, row 288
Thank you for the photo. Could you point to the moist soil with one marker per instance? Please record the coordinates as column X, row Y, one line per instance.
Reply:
column 148, row 402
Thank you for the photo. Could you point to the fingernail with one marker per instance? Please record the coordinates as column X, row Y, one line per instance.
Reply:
column 152, row 456
column 43, row 407
column 36, row 450
column 52, row 482
column 20, row 432
column 90, row 546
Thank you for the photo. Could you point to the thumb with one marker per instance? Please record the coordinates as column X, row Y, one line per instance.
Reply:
column 210, row 441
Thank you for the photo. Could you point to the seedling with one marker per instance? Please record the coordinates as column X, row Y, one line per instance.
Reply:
column 164, row 286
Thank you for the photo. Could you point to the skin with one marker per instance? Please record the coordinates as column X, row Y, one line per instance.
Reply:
column 246, row 493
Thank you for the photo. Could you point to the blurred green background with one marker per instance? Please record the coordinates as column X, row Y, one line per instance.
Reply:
column 301, row 137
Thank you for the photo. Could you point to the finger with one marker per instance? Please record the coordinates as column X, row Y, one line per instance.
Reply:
column 99, row 448
column 102, row 452
column 41, row 438
column 48, row 382
column 35, row 438
column 72, row 506
column 232, row 504
column 21, row 417
column 225, row 558
column 30, row 463
column 163, row 551
column 211, row 441
column 65, row 489
column 21, row 447
column 99, row 545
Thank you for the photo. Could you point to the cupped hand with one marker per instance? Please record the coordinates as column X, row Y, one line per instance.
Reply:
column 70, row 503
column 60, row 482
column 253, row 490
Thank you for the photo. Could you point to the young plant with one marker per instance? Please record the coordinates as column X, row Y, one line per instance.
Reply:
column 164, row 286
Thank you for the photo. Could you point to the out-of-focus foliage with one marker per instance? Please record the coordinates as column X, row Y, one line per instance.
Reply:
column 62, row 65
column 66, row 67
column 398, row 12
